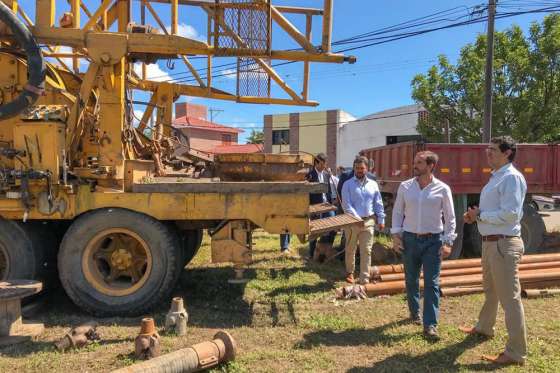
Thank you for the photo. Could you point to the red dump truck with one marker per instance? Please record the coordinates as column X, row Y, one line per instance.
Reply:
column 465, row 169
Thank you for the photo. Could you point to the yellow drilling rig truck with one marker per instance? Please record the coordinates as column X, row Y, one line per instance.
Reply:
column 86, row 193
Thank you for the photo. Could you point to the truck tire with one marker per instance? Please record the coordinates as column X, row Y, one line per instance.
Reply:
column 190, row 242
column 24, row 251
column 116, row 262
column 532, row 229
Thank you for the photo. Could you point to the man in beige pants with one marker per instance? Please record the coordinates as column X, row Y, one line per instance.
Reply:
column 498, row 219
column 361, row 197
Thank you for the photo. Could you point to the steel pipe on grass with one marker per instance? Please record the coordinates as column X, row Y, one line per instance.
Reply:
column 471, row 271
column 539, row 293
column 466, row 263
column 395, row 287
column 198, row 357
column 460, row 291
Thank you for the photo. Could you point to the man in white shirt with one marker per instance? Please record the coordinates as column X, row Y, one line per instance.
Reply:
column 424, row 239
column 499, row 223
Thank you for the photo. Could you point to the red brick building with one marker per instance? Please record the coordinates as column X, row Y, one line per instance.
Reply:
column 192, row 121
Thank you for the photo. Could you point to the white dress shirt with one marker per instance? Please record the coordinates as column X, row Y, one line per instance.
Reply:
column 419, row 210
column 501, row 203
column 321, row 178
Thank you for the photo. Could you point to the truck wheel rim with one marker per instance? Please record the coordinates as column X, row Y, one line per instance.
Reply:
column 117, row 262
column 4, row 263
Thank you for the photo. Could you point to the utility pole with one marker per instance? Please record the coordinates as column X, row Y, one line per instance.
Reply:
column 447, row 132
column 212, row 111
column 487, row 130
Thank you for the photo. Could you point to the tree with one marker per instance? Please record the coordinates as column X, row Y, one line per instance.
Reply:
column 526, row 97
column 256, row 137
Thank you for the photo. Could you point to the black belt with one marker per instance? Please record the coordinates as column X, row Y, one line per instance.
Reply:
column 368, row 218
column 425, row 235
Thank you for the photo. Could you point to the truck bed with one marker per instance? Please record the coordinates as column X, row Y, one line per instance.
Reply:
column 464, row 167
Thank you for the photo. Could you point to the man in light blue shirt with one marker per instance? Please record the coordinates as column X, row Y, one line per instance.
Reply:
column 499, row 223
column 361, row 198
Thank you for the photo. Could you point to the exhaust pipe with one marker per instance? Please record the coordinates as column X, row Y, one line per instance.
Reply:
column 198, row 357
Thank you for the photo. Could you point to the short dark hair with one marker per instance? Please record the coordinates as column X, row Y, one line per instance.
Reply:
column 506, row 143
column 361, row 159
column 321, row 157
column 430, row 157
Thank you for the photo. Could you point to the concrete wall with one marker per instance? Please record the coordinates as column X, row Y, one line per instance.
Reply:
column 313, row 132
column 206, row 140
column 372, row 132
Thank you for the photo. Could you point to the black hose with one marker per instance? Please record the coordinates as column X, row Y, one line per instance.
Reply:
column 35, row 65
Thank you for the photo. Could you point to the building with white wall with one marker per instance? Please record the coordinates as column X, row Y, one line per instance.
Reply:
column 377, row 129
column 338, row 134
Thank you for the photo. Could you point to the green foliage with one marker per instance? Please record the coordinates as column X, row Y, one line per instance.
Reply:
column 526, row 98
column 256, row 137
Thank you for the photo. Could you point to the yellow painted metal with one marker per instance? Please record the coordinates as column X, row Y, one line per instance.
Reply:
column 96, row 141
column 232, row 243
column 43, row 143
column 45, row 13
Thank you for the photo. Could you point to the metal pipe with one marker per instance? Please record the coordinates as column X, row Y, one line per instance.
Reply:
column 395, row 287
column 459, row 291
column 471, row 271
column 466, row 263
column 192, row 359
column 539, row 293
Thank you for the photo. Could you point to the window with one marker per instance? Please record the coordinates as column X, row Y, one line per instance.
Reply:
column 280, row 137
column 226, row 139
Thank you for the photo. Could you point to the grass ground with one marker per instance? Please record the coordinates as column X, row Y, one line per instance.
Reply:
column 285, row 319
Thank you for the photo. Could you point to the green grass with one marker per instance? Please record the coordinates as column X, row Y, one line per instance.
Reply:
column 285, row 319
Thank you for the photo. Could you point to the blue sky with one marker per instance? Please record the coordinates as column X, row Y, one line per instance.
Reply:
column 379, row 80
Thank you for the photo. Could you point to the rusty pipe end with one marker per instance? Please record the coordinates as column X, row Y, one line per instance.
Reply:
column 64, row 343
column 374, row 272
column 147, row 326
column 177, row 305
column 230, row 346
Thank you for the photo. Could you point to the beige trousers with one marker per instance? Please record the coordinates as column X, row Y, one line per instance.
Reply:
column 363, row 236
column 500, row 260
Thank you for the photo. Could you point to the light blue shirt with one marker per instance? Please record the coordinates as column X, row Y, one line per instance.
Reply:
column 501, row 203
column 362, row 199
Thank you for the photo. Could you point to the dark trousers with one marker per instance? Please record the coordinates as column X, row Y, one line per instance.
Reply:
column 422, row 252
column 284, row 242
column 326, row 238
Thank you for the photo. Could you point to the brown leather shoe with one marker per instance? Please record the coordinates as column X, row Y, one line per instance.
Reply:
column 502, row 359
column 350, row 278
column 471, row 330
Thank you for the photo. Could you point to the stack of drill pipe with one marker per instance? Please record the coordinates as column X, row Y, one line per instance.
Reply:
column 461, row 277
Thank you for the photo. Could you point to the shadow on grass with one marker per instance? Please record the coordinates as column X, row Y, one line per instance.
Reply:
column 353, row 337
column 211, row 301
column 442, row 360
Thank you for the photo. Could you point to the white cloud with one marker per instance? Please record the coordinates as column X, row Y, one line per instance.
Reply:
column 229, row 74
column 187, row 31
column 153, row 72
column 83, row 63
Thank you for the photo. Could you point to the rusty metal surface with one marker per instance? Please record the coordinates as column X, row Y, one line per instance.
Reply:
column 464, row 166
column 262, row 167
column 230, row 187
column 146, row 344
column 337, row 222
column 321, row 208
column 78, row 337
